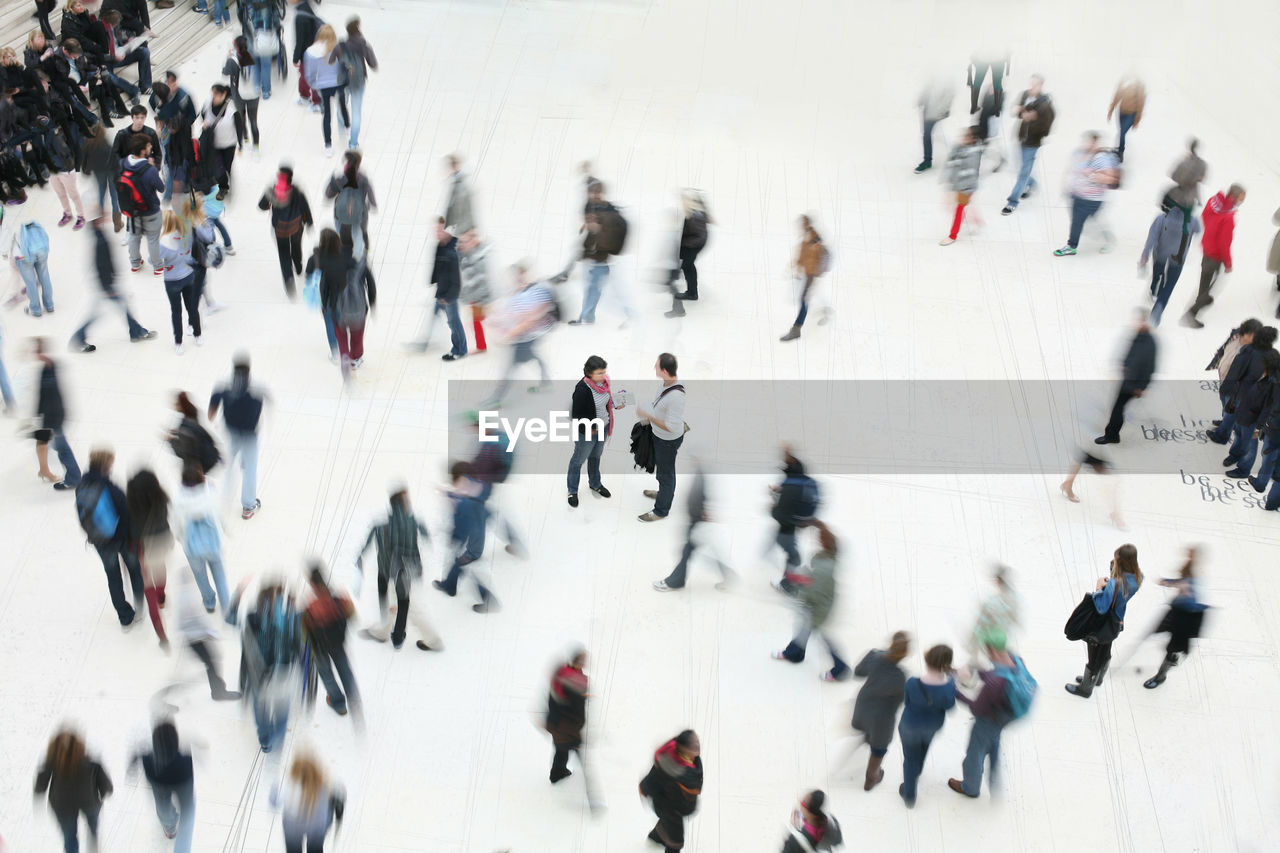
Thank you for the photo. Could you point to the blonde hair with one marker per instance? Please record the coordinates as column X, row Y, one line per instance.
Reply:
column 31, row 38
column 172, row 223
column 327, row 37
column 693, row 202
column 67, row 8
column 309, row 778
column 193, row 209
column 101, row 458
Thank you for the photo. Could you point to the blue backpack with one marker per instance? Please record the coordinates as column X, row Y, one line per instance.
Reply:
column 1020, row 688
column 35, row 241
column 202, row 538
column 98, row 517
column 810, row 495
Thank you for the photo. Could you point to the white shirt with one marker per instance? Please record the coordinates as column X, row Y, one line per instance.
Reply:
column 669, row 410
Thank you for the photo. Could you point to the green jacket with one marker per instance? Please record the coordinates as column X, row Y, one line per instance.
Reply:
column 819, row 596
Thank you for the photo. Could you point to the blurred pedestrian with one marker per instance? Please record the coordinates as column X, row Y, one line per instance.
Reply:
column 1008, row 691
column 1182, row 621
column 468, row 537
column 1219, row 217
column 290, row 213
column 200, row 636
column 241, row 404
column 325, row 75
column 325, row 620
column 458, row 215
column 400, row 570
column 148, row 505
column 446, row 275
column 567, row 713
column 591, row 412
column 673, row 786
column 605, row 236
column 27, row 243
column 1034, row 110
column 1130, row 99
column 75, row 785
column 271, row 649
column 1094, row 171
column 105, row 266
column 811, row 829
column 245, row 92
column 876, row 709
column 796, row 501
column 51, row 415
column 1101, row 467
column 1273, row 257
column 693, row 239
column 351, row 307
column 935, row 105
column 1187, row 175
column 195, row 516
column 978, row 68
column 353, row 200
column 170, row 772
column 666, row 416
column 357, row 58
column 190, row 441
column 530, row 313
column 104, row 517
column 473, row 266
column 1110, row 598
column 1167, row 243
column 333, row 265
column 1254, row 402
column 700, row 516
column 926, row 701
column 1223, row 360
column 817, row 600
column 812, row 260
column 963, row 165
column 999, row 613
column 309, row 804
column 1138, row 369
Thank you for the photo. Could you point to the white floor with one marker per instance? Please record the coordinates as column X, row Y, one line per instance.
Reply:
column 773, row 109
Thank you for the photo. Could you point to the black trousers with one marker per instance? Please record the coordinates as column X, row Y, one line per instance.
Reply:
column 112, row 555
column 227, row 156
column 290, row 251
column 560, row 761
column 687, row 258
column 1209, row 269
column 1117, row 412
column 1099, row 655
column 190, row 294
column 402, row 609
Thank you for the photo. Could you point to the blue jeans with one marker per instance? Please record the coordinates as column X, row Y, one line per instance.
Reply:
column 330, row 331
column 984, row 740
column 469, row 518
column 596, row 274
column 457, row 335
column 136, row 329
column 66, row 457
column 245, row 446
column 1025, row 182
column 69, row 822
column 120, row 83
column 1164, row 275
column 183, row 818
column 1244, row 449
column 357, row 105
column 326, row 663
column 1126, row 123
column 521, row 352
column 1081, row 210
column 915, row 746
column 1222, row 432
column 928, row 140
column 111, row 555
column 588, row 449
column 262, row 67
column 219, row 12
column 272, row 720
column 804, row 300
column 142, row 58
column 202, row 566
column 222, row 229
column 1270, row 456
column 35, row 273
column 6, row 389
column 664, row 453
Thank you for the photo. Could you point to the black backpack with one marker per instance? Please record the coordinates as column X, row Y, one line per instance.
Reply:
column 132, row 202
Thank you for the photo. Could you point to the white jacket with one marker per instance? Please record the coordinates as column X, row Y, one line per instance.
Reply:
column 224, row 129
column 194, row 502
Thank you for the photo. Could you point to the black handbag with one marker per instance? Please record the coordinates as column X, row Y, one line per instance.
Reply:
column 1083, row 620
column 1110, row 626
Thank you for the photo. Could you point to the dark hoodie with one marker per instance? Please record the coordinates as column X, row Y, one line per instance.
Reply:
column 672, row 783
column 446, row 274
column 241, row 407
column 786, row 510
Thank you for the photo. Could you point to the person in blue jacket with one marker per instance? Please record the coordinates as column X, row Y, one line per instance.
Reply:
column 927, row 700
column 1117, row 589
column 1183, row 620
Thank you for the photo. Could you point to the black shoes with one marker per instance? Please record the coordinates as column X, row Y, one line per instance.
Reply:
column 602, row 492
column 573, row 500
column 557, row 775
column 688, row 297
column 1107, row 439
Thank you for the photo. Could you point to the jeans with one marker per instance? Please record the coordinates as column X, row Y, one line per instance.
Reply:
column 469, row 519
column 1126, row 123
column 35, row 274
column 664, row 453
column 142, row 58
column 66, row 457
column 6, row 389
column 183, row 818
column 597, row 272
column 184, row 290
column 521, row 352
column 300, row 838
column 107, row 187
column 272, row 720
column 338, row 658
column 1244, row 449
column 357, row 109
column 325, row 96
column 68, row 822
column 112, row 554
column 1223, row 430
column 786, row 540
column 1116, row 422
column 222, row 229
column 1209, row 269
column 796, row 648
column 457, row 334
column 915, row 746
column 219, row 12
column 330, row 331
column 1025, row 182
column 147, row 224
column 202, row 566
column 928, row 140
column 804, row 300
column 1270, row 456
column 588, row 449
column 1164, row 275
column 262, row 67
column 245, row 446
column 289, row 250
column 984, row 740
column 1081, row 210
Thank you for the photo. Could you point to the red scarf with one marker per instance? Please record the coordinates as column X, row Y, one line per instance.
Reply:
column 603, row 388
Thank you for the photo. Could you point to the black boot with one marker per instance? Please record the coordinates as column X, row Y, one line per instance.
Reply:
column 1084, row 687
column 1097, row 681
column 1170, row 660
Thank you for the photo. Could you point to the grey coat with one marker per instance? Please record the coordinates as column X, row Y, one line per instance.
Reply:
column 458, row 215
column 962, row 168
column 819, row 596
column 876, row 709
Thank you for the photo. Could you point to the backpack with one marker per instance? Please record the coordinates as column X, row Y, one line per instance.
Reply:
column 824, row 259
column 1119, row 167
column 810, row 495
column 353, row 64
column 326, row 619
column 98, row 517
column 612, row 238
column 202, row 538
column 131, row 201
column 1020, row 688
column 348, row 207
column 275, row 637
column 35, row 241
column 352, row 304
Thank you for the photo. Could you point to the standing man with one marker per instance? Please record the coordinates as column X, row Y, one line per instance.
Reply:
column 1094, row 172
column 446, row 275
column 106, row 282
column 1139, row 366
column 1035, row 111
column 139, row 188
column 1219, row 219
column 1130, row 98
column 935, row 105
column 457, row 214
column 666, row 416
column 241, row 411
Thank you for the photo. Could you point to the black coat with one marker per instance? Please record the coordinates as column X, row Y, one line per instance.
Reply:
column 49, row 406
column 446, row 275
column 786, row 511
column 1140, row 362
column 1257, row 401
column 1246, row 368
column 306, row 23
column 694, row 234
column 126, row 134
column 134, row 16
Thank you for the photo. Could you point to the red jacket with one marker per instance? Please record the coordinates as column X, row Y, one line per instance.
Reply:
column 1219, row 225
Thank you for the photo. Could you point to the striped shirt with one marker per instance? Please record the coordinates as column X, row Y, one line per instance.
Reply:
column 532, row 300
column 1086, row 186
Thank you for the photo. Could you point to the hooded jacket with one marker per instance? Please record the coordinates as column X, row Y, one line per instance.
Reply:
column 445, row 274
column 673, row 783
column 962, row 168
column 786, row 510
column 1219, row 227
column 1164, row 239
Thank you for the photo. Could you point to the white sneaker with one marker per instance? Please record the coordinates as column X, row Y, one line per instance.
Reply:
column 178, row 349
column 300, row 101
column 229, row 250
column 328, row 151
column 199, row 341
column 358, row 363
column 214, row 307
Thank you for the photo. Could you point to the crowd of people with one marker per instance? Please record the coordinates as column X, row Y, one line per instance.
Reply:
column 167, row 184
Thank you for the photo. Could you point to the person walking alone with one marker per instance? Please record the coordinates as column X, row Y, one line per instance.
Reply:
column 148, row 505
column 531, row 312
column 290, row 213
column 399, row 569
column 51, row 413
column 104, row 516
column 241, row 405
column 1130, row 99
column 1167, row 243
column 812, row 260
column 693, row 239
column 75, row 784
column 673, row 786
column 1111, row 597
column 1094, row 171
column 1139, row 367
column 1034, row 110
column 357, row 59
column 700, row 516
column 935, row 105
column 567, row 714
column 106, row 268
column 170, row 772
column 1182, row 621
column 325, row 621
column 446, row 275
column 353, row 199
column 1219, row 217
column 309, row 804
column 195, row 516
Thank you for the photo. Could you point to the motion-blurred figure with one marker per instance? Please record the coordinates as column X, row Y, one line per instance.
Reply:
column 492, row 466
column 1183, row 620
column 1101, row 467
column 241, row 404
column 875, row 711
column 1273, row 257
column 51, row 417
column 693, row 239
column 470, row 517
column 1130, row 99
column 673, row 786
column 998, row 615
column 605, row 236
column 309, row 804
column 530, row 313
column 104, row 517
column 458, row 215
column 473, row 264
column 817, row 600
column 1187, row 175
column 935, row 105
column 271, row 649
column 106, row 269
column 75, row 785
column 325, row 620
column 567, row 717
column 963, row 165
column 200, row 636
column 698, row 535
column 170, row 772
column 148, row 505
column 812, row 829
column 1219, row 217
column 196, row 518
column 795, row 504
column 813, row 259
column 400, row 569
column 1167, row 243
column 1034, row 111
column 1254, row 401
column 1094, row 170
column 926, row 701
column 979, row 65
column 1138, row 369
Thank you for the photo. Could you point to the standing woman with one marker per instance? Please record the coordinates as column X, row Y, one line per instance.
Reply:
column 75, row 783
column 809, row 264
column 811, row 828
column 876, row 708
column 593, row 401
column 149, row 519
column 673, row 785
column 245, row 93
column 177, row 241
column 290, row 213
column 309, row 804
column 926, row 702
column 353, row 198
column 816, row 600
column 357, row 58
column 218, row 125
column 332, row 263
column 169, row 770
column 1113, row 592
column 567, row 713
column 326, row 76
column 693, row 239
column 1183, row 620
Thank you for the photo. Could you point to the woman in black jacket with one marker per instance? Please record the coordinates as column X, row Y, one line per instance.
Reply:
column 593, row 403
column 673, row 785
column 1254, row 401
column 149, row 522
column 693, row 239
column 329, row 260
column 75, row 784
column 290, row 213
column 876, row 709
column 51, row 414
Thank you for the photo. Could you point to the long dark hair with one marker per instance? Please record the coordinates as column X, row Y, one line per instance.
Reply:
column 243, row 57
column 144, row 496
